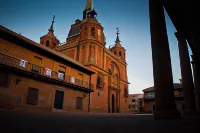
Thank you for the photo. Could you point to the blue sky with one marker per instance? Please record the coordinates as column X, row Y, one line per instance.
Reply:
column 33, row 18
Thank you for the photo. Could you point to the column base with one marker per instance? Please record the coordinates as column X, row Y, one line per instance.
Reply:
column 166, row 114
column 190, row 112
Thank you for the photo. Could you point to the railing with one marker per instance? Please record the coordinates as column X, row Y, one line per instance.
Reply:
column 24, row 65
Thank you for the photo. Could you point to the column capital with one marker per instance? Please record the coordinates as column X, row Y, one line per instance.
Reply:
column 179, row 36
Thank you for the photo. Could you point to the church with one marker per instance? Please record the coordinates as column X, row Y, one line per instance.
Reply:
column 80, row 75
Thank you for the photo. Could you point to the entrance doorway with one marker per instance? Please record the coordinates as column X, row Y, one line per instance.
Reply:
column 113, row 103
column 58, row 103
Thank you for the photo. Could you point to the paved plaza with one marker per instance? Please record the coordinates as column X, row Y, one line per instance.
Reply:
column 61, row 122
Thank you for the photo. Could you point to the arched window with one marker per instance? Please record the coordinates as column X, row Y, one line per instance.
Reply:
column 99, row 81
column 120, row 54
column 93, row 31
column 47, row 44
column 86, row 31
column 115, row 52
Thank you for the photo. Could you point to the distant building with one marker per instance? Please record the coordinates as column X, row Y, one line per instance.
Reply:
column 136, row 103
column 149, row 98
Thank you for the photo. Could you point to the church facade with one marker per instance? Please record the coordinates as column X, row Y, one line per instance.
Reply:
column 86, row 44
column 97, row 74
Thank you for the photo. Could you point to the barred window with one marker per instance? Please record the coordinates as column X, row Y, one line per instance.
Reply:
column 32, row 96
column 79, row 103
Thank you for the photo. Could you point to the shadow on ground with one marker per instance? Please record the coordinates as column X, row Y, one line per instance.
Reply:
column 60, row 122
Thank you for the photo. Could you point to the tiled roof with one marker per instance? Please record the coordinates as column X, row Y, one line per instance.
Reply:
column 75, row 30
column 6, row 33
column 176, row 86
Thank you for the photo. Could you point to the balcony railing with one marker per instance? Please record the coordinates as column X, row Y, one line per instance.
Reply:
column 27, row 66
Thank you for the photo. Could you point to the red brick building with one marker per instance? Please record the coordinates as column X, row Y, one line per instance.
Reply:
column 80, row 75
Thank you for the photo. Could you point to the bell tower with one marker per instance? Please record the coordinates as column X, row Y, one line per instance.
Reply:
column 89, row 11
column 117, row 49
column 49, row 40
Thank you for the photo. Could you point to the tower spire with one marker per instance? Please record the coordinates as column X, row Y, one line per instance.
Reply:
column 51, row 27
column 117, row 39
column 89, row 11
column 89, row 5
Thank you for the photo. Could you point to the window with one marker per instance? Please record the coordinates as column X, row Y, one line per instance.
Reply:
column 86, row 31
column 54, row 45
column 93, row 32
column 125, row 92
column 37, row 62
column 4, row 79
column 120, row 54
column 47, row 44
column 115, row 52
column 99, row 35
column 79, row 103
column 133, row 100
column 129, row 106
column 32, row 96
column 98, row 93
column 99, row 81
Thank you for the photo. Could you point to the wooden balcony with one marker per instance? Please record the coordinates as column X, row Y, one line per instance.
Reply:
column 27, row 67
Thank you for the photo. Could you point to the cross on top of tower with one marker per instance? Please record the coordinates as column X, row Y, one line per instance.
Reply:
column 117, row 40
column 51, row 27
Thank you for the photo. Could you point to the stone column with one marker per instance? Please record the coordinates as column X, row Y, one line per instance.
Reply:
column 186, row 72
column 193, row 69
column 195, row 41
column 196, row 73
column 163, row 82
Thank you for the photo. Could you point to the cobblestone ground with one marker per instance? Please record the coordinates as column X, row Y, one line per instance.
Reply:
column 60, row 122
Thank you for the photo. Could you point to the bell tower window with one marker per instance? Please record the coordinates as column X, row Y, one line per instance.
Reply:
column 54, row 44
column 86, row 31
column 47, row 44
column 120, row 54
column 93, row 31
